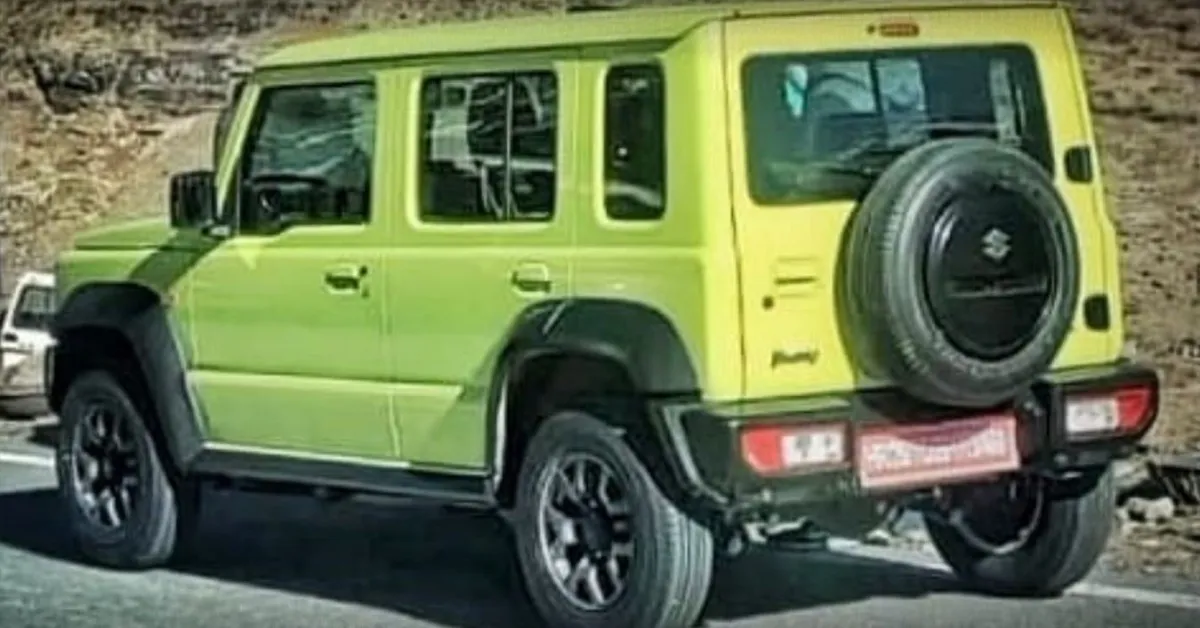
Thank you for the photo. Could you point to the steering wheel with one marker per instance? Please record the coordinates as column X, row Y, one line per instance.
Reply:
column 268, row 195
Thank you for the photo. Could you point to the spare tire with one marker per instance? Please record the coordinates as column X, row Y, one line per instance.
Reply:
column 962, row 272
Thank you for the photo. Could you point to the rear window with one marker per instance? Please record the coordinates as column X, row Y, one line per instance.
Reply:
column 822, row 127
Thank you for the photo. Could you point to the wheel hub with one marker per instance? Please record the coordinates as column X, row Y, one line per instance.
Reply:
column 1000, row 519
column 597, row 531
column 105, row 467
column 585, row 531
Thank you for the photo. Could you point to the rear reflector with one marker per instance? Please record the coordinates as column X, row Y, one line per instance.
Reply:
column 773, row 450
column 1124, row 410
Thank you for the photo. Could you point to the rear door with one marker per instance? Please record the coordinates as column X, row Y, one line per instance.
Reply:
column 483, row 200
column 806, row 91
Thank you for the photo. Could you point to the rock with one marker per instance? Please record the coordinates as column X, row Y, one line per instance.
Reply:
column 181, row 80
column 1154, row 511
column 916, row 536
column 1130, row 476
column 879, row 537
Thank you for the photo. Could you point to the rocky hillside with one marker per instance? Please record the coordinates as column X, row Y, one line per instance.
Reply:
column 89, row 88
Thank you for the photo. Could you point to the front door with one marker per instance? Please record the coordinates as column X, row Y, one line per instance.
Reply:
column 286, row 313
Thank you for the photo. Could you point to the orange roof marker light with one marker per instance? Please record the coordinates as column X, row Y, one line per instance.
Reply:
column 895, row 28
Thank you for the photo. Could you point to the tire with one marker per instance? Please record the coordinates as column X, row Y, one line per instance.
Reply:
column 165, row 509
column 670, row 572
column 1066, row 544
column 962, row 271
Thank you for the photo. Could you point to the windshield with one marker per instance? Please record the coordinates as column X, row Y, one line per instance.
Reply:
column 822, row 126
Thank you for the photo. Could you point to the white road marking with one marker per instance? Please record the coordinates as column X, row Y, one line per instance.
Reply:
column 1183, row 601
column 1141, row 596
column 28, row 460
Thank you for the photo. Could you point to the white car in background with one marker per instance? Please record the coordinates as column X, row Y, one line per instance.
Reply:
column 24, row 338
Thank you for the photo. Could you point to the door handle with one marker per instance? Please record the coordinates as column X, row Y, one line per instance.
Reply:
column 345, row 278
column 10, row 337
column 531, row 278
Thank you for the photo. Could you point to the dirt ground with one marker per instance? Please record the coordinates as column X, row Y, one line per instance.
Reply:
column 1143, row 61
column 62, row 172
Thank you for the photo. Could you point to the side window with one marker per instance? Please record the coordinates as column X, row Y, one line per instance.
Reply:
column 489, row 147
column 635, row 143
column 34, row 309
column 309, row 157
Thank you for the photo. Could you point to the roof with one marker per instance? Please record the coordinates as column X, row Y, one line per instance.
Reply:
column 588, row 28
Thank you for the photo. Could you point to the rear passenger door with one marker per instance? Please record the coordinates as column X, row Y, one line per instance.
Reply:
column 287, row 311
column 489, row 201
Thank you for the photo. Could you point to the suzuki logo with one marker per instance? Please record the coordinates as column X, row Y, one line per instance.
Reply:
column 995, row 245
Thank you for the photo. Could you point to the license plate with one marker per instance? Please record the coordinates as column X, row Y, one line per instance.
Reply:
column 910, row 455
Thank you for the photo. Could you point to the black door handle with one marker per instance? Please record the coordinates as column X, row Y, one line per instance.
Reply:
column 345, row 278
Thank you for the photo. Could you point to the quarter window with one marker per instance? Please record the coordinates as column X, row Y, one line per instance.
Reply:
column 635, row 143
column 489, row 147
column 309, row 157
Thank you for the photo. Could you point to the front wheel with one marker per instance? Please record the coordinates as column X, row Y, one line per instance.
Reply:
column 599, row 544
column 1029, row 536
column 125, row 509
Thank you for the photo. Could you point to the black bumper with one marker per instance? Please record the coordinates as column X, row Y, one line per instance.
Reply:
column 702, row 440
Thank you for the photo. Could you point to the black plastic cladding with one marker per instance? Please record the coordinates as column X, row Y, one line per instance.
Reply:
column 723, row 481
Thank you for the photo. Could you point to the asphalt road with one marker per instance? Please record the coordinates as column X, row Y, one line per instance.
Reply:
column 280, row 561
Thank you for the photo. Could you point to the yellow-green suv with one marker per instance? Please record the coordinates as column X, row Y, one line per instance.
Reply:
column 659, row 282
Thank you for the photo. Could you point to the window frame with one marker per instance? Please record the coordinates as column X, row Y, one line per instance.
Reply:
column 602, row 167
column 231, row 213
column 420, row 215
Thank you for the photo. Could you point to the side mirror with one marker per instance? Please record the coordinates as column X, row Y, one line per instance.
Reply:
column 193, row 199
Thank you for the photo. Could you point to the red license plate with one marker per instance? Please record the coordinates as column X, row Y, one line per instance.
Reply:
column 926, row 454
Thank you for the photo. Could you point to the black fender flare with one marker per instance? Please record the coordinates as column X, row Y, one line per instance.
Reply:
column 637, row 337
column 138, row 315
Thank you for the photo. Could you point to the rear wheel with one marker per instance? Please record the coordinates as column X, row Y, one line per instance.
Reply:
column 124, row 509
column 599, row 544
column 1029, row 536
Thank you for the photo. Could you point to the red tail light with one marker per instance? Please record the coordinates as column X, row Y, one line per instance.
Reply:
column 1135, row 406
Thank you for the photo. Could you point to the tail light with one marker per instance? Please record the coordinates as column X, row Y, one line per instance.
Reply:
column 1125, row 410
column 776, row 450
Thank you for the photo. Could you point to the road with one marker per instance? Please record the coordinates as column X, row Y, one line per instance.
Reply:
column 267, row 561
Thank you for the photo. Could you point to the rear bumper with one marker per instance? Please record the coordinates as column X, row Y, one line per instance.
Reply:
column 703, row 440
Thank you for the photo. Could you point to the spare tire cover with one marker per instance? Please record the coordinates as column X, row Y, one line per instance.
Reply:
column 962, row 272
